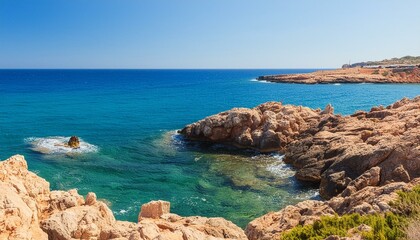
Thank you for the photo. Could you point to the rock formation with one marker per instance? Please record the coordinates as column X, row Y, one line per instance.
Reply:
column 365, row 201
column 73, row 142
column 29, row 210
column 381, row 145
column 350, row 75
column 268, row 127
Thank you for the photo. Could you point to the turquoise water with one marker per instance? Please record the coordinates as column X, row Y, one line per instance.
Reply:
column 130, row 117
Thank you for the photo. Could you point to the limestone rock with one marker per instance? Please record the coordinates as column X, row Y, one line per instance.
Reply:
column 267, row 127
column 154, row 209
column 90, row 198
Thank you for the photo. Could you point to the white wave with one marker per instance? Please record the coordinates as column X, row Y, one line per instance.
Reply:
column 279, row 168
column 56, row 145
column 310, row 194
column 337, row 84
column 260, row 81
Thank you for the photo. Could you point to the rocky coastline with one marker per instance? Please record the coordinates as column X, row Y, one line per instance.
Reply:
column 350, row 75
column 30, row 210
column 327, row 149
column 359, row 161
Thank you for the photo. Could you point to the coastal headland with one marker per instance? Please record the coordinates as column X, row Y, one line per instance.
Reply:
column 402, row 70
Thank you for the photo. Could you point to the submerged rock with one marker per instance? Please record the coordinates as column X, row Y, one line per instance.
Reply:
column 29, row 210
column 60, row 145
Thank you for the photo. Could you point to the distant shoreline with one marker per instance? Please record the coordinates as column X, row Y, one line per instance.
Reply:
column 350, row 75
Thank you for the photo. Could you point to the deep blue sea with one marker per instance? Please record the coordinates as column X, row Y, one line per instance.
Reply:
column 130, row 118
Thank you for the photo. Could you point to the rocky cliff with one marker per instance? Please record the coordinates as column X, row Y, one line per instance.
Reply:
column 30, row 210
column 350, row 75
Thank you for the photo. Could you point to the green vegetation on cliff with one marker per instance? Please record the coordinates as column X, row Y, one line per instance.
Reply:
column 407, row 60
column 392, row 225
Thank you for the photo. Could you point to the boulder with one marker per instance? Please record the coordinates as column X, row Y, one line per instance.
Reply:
column 73, row 142
column 154, row 209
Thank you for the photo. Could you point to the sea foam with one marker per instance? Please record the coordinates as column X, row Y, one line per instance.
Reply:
column 55, row 145
column 280, row 168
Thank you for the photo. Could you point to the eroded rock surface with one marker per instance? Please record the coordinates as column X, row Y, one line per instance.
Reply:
column 382, row 145
column 365, row 201
column 29, row 210
column 268, row 127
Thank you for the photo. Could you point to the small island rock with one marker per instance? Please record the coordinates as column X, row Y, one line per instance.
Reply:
column 74, row 142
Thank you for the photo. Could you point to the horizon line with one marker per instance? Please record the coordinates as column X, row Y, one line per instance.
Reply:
column 163, row 68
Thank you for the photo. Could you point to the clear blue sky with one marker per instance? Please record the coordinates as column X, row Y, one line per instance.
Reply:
column 205, row 33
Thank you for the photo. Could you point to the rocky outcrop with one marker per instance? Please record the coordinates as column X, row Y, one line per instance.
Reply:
column 350, row 75
column 268, row 127
column 365, row 201
column 73, row 142
column 372, row 148
column 29, row 210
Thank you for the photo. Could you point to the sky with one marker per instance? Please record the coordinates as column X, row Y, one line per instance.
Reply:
column 149, row 34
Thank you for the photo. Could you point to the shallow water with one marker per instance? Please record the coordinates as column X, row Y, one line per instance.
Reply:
column 129, row 118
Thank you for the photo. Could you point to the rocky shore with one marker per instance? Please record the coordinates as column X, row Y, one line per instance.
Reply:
column 328, row 149
column 367, row 200
column 359, row 161
column 30, row 210
column 350, row 75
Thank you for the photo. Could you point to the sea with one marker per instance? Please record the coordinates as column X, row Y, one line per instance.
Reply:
column 131, row 152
